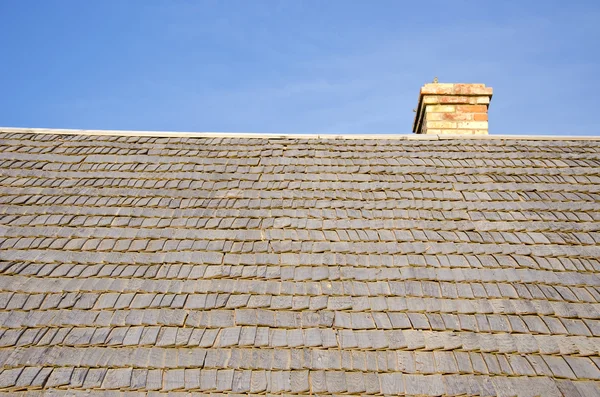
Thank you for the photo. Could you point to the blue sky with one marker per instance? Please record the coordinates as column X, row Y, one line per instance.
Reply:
column 292, row 66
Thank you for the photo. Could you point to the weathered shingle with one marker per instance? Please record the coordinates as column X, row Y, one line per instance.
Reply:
column 293, row 265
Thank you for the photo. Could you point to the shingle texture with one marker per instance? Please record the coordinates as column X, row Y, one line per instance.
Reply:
column 229, row 266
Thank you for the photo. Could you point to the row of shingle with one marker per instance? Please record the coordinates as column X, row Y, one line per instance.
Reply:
column 305, row 253
column 537, row 323
column 198, row 170
column 288, row 301
column 155, row 335
column 370, row 211
column 27, row 142
column 419, row 362
column 95, row 153
column 314, row 359
column 158, row 181
column 365, row 149
column 577, row 275
column 23, row 150
column 396, row 307
column 364, row 191
column 404, row 169
column 186, row 167
column 253, row 187
column 316, row 230
column 210, row 252
column 453, row 385
column 207, row 178
column 346, row 151
column 217, row 318
column 222, row 204
column 252, row 248
column 517, row 263
column 396, row 294
column 421, row 163
column 407, row 362
column 348, row 268
column 84, row 293
column 506, row 144
column 121, row 239
column 348, row 277
column 280, row 252
column 121, row 293
column 449, row 170
column 256, row 229
column 424, row 155
column 263, row 338
column 409, row 163
column 394, row 154
column 302, row 219
column 348, row 274
column 533, row 178
column 298, row 230
column 229, row 214
column 221, row 201
column 286, row 212
column 200, row 146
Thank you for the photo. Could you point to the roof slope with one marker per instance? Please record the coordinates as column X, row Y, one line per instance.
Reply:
column 298, row 266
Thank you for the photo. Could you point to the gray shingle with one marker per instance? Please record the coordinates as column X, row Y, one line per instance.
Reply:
column 116, row 378
column 228, row 337
column 78, row 377
column 224, row 379
column 247, row 336
column 241, row 381
column 299, row 381
column 208, row 379
column 133, row 336
column 8, row 377
column 138, row 379
column 25, row 378
column 295, row 338
column 559, row 367
column 41, row 377
column 317, row 382
column 279, row 381
column 149, row 335
column 167, row 336
column 392, row 383
column 241, row 264
column 94, row 378
column 173, row 379
column 258, row 381
column 59, row 377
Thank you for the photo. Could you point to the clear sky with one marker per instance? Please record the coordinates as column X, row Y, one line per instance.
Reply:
column 292, row 66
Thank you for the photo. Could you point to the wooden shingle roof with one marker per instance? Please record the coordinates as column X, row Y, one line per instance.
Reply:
column 188, row 266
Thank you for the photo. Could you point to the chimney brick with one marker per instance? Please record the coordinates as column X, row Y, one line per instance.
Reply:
column 453, row 109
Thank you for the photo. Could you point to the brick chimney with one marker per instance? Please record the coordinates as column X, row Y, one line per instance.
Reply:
column 453, row 109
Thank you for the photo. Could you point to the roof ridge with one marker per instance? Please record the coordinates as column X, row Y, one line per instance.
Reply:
column 176, row 134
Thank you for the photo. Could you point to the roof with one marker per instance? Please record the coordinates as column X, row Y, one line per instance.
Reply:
column 230, row 265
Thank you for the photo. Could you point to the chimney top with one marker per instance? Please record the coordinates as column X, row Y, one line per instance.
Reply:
column 452, row 109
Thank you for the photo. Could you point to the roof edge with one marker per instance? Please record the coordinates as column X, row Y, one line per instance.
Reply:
column 173, row 134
